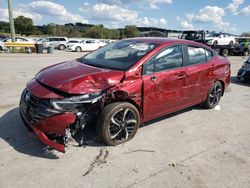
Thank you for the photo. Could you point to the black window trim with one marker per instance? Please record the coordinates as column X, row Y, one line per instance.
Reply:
column 197, row 46
column 155, row 55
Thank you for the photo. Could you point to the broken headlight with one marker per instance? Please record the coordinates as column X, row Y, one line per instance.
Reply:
column 76, row 103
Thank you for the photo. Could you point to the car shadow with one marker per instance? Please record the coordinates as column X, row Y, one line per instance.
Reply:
column 13, row 131
column 196, row 107
column 234, row 80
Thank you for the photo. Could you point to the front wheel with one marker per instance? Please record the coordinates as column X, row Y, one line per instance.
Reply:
column 118, row 123
column 213, row 96
column 61, row 47
column 78, row 49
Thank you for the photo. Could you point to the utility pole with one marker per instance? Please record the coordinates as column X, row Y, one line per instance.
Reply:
column 12, row 27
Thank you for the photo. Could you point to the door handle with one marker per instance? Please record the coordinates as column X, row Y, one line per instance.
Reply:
column 212, row 65
column 153, row 78
column 181, row 76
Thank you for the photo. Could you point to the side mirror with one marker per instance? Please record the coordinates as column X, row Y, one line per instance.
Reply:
column 138, row 72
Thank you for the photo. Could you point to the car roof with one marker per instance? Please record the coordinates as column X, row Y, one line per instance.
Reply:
column 162, row 40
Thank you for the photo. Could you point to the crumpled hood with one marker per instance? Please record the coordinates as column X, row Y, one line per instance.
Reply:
column 77, row 78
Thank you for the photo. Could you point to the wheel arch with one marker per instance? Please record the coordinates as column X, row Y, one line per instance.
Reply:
column 78, row 47
column 123, row 96
column 223, row 85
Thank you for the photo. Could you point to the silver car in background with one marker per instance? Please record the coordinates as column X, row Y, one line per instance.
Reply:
column 60, row 43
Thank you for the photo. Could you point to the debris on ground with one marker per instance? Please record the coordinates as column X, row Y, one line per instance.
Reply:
column 139, row 150
column 101, row 158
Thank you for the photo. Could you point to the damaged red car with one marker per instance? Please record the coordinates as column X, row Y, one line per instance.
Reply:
column 120, row 86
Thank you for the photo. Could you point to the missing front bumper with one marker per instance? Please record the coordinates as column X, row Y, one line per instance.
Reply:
column 55, row 124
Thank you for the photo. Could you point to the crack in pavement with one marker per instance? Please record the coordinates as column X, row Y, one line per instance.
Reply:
column 101, row 158
column 139, row 150
column 181, row 161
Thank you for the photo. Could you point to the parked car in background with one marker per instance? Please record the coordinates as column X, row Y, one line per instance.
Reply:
column 60, row 43
column 244, row 71
column 2, row 37
column 242, row 46
column 1, row 46
column 74, row 42
column 17, row 39
column 121, row 86
column 217, row 39
column 86, row 45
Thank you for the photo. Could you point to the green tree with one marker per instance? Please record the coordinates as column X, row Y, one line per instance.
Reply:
column 131, row 31
column 247, row 34
column 96, row 31
column 24, row 25
column 4, row 27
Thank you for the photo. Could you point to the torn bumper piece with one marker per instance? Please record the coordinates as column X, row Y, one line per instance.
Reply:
column 54, row 119
column 43, row 120
column 55, row 124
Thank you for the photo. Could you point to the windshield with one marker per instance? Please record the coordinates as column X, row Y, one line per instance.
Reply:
column 119, row 55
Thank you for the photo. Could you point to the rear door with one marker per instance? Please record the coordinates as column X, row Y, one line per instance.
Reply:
column 200, row 68
column 164, row 83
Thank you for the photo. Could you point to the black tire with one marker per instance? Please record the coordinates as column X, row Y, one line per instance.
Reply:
column 215, row 43
column 119, row 120
column 225, row 52
column 1, row 49
column 231, row 43
column 213, row 96
column 61, row 47
column 78, row 49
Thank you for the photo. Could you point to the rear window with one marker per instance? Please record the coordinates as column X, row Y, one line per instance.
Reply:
column 197, row 55
column 209, row 55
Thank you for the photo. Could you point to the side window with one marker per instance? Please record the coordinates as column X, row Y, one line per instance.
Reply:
column 209, row 55
column 196, row 55
column 169, row 58
column 149, row 67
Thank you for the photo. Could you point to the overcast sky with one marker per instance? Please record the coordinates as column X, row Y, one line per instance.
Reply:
column 214, row 15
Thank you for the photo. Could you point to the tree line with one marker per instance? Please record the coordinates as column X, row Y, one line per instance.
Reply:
column 25, row 26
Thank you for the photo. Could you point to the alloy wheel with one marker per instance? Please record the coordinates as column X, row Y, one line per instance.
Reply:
column 215, row 95
column 122, row 125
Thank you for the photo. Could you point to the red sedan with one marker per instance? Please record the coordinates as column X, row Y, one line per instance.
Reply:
column 120, row 86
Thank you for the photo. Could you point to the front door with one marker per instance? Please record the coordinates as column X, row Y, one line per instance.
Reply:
column 164, row 83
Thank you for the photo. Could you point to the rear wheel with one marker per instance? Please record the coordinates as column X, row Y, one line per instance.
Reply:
column 215, row 43
column 225, row 52
column 231, row 43
column 214, row 95
column 118, row 123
